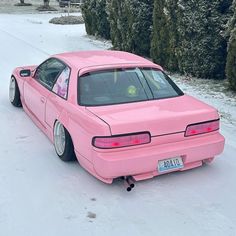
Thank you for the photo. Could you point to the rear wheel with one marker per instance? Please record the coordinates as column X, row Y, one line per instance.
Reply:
column 14, row 93
column 63, row 143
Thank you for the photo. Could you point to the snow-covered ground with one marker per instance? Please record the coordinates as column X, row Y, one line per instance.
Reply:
column 40, row 195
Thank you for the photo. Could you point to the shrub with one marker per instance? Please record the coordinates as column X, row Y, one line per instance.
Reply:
column 67, row 20
column 231, row 57
column 202, row 47
column 131, row 23
column 160, row 34
column 181, row 35
column 95, row 18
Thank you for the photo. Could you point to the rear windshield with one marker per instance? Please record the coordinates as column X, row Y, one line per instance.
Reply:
column 124, row 86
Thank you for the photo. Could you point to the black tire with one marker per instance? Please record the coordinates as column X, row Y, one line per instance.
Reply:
column 15, row 99
column 68, row 154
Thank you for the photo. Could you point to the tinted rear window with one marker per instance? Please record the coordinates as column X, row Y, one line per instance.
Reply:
column 124, row 86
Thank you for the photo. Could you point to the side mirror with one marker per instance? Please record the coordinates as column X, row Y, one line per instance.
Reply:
column 25, row 73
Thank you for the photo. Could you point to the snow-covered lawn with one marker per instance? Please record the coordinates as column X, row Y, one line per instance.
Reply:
column 41, row 195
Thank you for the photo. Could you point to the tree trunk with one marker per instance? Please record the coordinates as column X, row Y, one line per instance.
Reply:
column 46, row 3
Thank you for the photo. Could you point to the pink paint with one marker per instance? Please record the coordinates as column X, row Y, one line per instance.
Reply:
column 166, row 121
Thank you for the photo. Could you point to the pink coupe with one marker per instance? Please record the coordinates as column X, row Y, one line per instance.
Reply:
column 119, row 114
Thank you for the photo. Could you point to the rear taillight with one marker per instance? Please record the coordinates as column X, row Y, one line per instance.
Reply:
column 119, row 141
column 202, row 128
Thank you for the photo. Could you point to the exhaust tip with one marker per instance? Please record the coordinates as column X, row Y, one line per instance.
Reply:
column 129, row 189
column 128, row 182
column 132, row 185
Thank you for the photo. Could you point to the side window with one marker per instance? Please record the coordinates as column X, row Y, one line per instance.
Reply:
column 48, row 72
column 61, row 85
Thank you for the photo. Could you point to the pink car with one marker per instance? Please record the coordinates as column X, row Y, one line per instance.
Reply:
column 119, row 114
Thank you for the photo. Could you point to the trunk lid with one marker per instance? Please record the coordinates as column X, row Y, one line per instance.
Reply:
column 159, row 117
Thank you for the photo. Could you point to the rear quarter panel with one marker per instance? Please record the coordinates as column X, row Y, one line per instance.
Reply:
column 81, row 124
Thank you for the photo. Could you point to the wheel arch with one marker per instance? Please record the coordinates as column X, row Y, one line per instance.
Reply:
column 63, row 118
column 15, row 97
column 19, row 83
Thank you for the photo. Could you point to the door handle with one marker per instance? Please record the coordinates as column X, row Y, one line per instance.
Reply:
column 42, row 99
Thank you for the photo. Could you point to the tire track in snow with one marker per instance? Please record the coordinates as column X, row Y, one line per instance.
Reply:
column 24, row 41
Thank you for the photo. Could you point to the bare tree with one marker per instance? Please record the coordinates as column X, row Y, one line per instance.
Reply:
column 22, row 3
column 46, row 6
column 46, row 3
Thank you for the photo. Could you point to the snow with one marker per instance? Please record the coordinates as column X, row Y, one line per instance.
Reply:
column 41, row 195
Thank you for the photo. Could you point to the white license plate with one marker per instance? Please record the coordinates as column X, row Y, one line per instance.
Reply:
column 170, row 164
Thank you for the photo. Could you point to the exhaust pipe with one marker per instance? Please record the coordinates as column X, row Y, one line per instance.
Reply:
column 129, row 183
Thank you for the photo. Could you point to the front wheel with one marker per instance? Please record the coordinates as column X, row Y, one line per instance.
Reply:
column 14, row 93
column 63, row 143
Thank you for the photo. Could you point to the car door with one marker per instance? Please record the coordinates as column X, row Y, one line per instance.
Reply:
column 38, row 88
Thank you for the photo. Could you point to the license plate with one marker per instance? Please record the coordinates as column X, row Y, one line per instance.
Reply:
column 170, row 164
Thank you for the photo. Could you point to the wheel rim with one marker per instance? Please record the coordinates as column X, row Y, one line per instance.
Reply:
column 59, row 138
column 12, row 89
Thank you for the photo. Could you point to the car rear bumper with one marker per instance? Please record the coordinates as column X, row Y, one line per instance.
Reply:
column 141, row 163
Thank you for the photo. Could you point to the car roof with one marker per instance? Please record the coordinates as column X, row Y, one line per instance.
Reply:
column 85, row 59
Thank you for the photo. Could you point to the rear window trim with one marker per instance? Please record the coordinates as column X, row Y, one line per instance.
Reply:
column 176, row 88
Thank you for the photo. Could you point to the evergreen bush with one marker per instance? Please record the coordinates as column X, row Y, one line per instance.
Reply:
column 131, row 23
column 202, row 46
column 95, row 18
column 231, row 57
column 160, row 34
column 165, row 34
column 187, row 36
